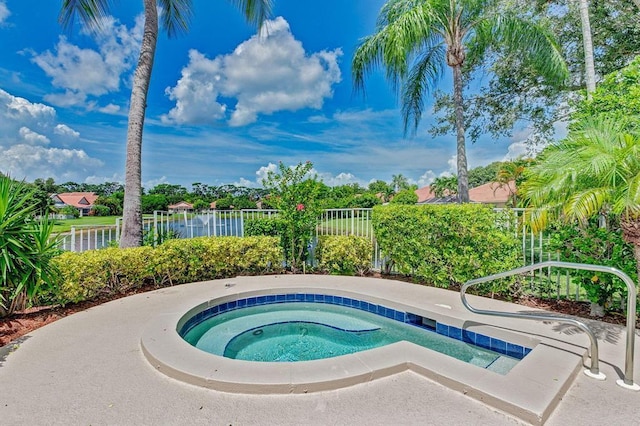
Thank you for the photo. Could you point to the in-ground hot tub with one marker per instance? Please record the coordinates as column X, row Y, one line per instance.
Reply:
column 295, row 327
column 509, row 389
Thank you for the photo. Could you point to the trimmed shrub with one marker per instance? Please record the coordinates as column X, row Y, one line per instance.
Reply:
column 344, row 254
column 271, row 227
column 445, row 244
column 86, row 275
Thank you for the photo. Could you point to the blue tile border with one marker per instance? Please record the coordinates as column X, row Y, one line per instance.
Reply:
column 470, row 337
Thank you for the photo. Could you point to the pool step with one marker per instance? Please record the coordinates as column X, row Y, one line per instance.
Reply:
column 216, row 339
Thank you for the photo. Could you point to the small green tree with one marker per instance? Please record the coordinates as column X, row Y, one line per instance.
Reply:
column 406, row 196
column 294, row 192
column 200, row 205
column 70, row 211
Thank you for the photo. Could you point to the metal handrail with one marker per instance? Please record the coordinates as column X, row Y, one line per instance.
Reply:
column 627, row 382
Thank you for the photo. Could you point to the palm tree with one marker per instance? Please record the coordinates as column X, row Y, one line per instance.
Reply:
column 595, row 170
column 415, row 38
column 589, row 67
column 399, row 182
column 444, row 186
column 175, row 16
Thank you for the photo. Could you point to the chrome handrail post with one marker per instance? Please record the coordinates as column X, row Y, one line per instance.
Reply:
column 627, row 382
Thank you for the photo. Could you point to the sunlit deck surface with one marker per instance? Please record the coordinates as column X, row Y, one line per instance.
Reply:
column 89, row 368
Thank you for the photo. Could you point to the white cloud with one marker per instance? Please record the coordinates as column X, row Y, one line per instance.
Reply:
column 263, row 172
column 64, row 130
column 30, row 162
column 339, row 179
column 4, row 11
column 246, row 183
column 328, row 178
column 516, row 150
column 32, row 138
column 28, row 132
column 110, row 109
column 151, row 183
column 269, row 72
column 16, row 109
column 426, row 179
column 83, row 72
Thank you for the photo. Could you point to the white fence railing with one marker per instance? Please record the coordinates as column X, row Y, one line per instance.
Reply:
column 165, row 225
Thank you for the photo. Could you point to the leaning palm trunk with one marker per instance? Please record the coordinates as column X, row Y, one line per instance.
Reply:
column 463, row 179
column 132, row 210
column 590, row 70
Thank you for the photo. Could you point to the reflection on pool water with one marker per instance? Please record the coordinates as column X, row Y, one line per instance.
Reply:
column 292, row 330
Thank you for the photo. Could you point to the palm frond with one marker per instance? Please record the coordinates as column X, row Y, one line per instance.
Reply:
column 403, row 26
column 255, row 11
column 91, row 12
column 176, row 16
column 535, row 42
column 423, row 76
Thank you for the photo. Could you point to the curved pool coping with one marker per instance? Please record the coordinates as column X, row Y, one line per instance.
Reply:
column 527, row 391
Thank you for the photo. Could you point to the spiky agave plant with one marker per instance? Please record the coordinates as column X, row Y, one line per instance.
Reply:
column 26, row 248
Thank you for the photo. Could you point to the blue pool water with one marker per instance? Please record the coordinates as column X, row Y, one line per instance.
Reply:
column 303, row 331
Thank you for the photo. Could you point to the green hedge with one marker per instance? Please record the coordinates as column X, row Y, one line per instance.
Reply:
column 445, row 244
column 86, row 275
column 344, row 254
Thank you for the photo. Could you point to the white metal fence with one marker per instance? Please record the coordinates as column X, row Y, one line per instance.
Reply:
column 358, row 222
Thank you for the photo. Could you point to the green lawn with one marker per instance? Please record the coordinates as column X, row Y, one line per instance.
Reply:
column 344, row 226
column 64, row 225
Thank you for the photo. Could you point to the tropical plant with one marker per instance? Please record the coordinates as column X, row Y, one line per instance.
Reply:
column 595, row 244
column 444, row 185
column 399, row 183
column 512, row 93
column 294, row 191
column 595, row 170
column 415, row 38
column 175, row 15
column 25, row 248
column 617, row 97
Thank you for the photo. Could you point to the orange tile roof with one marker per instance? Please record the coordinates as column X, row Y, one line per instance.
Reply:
column 489, row 193
column 81, row 200
column 181, row 205
column 492, row 193
column 424, row 194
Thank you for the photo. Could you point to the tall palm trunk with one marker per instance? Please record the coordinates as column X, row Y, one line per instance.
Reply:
column 463, row 178
column 132, row 211
column 590, row 70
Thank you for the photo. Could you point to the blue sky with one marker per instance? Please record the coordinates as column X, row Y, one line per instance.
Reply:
column 224, row 105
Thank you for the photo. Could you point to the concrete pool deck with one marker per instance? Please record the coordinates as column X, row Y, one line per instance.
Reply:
column 89, row 368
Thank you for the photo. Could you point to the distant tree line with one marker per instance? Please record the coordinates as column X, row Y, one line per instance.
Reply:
column 232, row 197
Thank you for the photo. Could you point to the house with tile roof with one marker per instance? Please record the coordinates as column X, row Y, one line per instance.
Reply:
column 489, row 193
column 181, row 207
column 83, row 201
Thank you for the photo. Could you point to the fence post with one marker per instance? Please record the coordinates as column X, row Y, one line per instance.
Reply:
column 155, row 228
column 73, row 238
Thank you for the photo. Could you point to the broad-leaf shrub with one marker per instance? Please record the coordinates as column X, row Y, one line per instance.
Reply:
column 295, row 192
column 597, row 246
column 88, row 274
column 446, row 244
column 344, row 254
